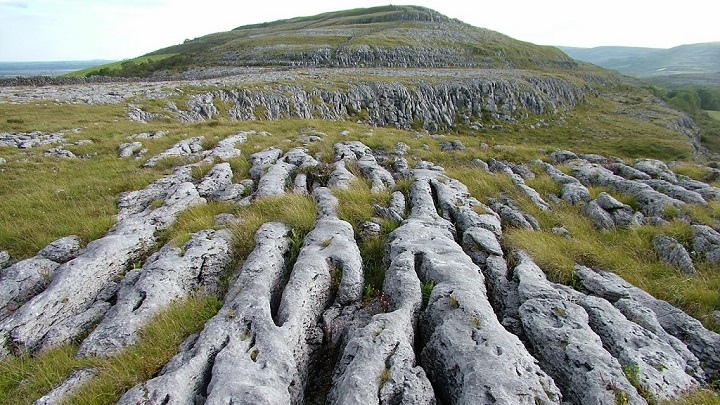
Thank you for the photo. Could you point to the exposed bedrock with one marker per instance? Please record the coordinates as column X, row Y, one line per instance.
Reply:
column 280, row 173
column 262, row 345
column 170, row 274
column 358, row 154
column 572, row 191
column 22, row 280
column 569, row 350
column 436, row 106
column 650, row 201
column 187, row 148
column 704, row 344
column 75, row 298
column 465, row 351
column 244, row 322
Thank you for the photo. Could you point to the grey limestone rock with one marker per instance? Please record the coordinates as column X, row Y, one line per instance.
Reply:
column 651, row 202
column 60, row 152
column 191, row 147
column 675, row 191
column 61, row 250
column 705, row 190
column 568, row 349
column 512, row 216
column 69, row 305
column 260, row 161
column 480, row 164
column 704, row 344
column 562, row 155
column 572, row 191
column 672, row 252
column 706, row 242
column 226, row 148
column 530, row 192
column 379, row 177
column 223, row 351
column 464, row 342
column 230, row 192
column 4, row 258
column 660, row 370
column 219, row 177
column 74, row 381
column 125, row 150
column 627, row 172
column 170, row 274
column 401, row 148
column 142, row 116
column 279, row 174
column 655, row 169
column 22, row 281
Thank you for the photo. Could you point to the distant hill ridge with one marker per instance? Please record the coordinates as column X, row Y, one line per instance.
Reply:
column 388, row 36
column 694, row 63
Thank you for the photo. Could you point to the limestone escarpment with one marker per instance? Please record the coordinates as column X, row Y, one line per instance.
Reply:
column 461, row 317
column 426, row 105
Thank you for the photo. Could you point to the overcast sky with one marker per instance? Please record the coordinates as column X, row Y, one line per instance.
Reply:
column 46, row 30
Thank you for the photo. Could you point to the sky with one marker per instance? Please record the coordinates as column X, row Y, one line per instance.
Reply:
column 51, row 30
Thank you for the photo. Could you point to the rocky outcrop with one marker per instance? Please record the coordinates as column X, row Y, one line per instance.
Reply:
column 435, row 106
column 170, row 274
column 244, row 321
column 76, row 297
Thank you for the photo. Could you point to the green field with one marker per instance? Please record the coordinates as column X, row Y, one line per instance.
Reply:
column 116, row 66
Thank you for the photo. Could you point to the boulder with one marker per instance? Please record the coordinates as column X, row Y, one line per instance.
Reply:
column 673, row 253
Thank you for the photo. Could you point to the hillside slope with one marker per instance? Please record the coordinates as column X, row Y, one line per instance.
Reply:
column 390, row 36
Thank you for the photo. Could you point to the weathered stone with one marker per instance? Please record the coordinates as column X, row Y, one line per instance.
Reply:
column 170, row 274
column 659, row 370
column 599, row 217
column 260, row 161
column 4, row 258
column 459, row 311
column 562, row 155
column 22, row 281
column 530, row 192
column 219, row 177
column 561, row 338
column 656, row 169
column 60, row 152
column 61, row 250
column 627, row 172
column 514, row 217
column 380, row 178
column 68, row 306
column 480, row 164
column 126, row 150
column 226, row 148
column 72, row 383
column 572, row 191
column 219, row 362
column 401, row 148
column 701, row 342
column 706, row 242
column 651, row 202
column 369, row 230
column 280, row 173
column 673, row 253
column 188, row 148
column 675, row 191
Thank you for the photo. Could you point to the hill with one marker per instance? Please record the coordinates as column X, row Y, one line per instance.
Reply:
column 390, row 36
column 685, row 64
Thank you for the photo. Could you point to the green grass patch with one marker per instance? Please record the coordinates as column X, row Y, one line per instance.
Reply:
column 115, row 67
